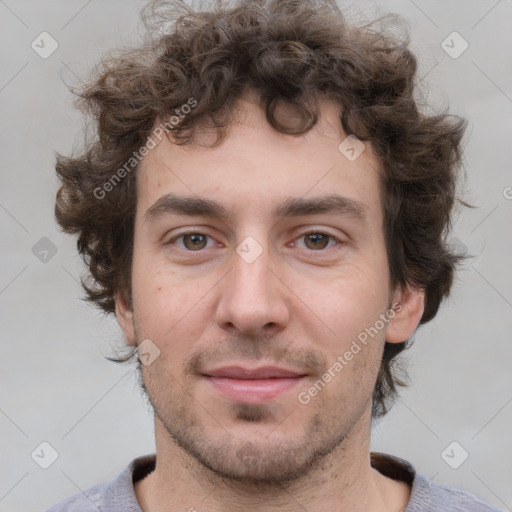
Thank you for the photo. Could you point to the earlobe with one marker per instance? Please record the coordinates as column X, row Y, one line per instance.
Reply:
column 124, row 314
column 410, row 304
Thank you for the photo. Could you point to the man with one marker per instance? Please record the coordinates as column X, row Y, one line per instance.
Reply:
column 264, row 210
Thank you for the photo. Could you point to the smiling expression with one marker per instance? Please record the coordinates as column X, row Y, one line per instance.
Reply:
column 256, row 264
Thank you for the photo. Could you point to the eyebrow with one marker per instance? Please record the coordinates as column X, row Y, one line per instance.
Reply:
column 171, row 204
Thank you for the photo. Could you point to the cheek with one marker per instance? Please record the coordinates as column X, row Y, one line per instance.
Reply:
column 350, row 306
column 348, row 301
column 164, row 301
column 170, row 317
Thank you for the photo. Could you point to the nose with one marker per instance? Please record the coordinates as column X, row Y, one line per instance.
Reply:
column 253, row 299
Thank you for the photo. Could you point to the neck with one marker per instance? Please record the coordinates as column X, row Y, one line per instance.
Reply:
column 343, row 480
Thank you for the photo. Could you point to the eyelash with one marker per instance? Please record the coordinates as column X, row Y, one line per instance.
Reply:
column 313, row 232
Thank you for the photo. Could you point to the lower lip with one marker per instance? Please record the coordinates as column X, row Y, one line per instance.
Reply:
column 253, row 391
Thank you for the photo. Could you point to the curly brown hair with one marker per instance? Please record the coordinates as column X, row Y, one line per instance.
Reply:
column 290, row 52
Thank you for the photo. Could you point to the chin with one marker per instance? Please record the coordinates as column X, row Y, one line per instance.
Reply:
column 252, row 452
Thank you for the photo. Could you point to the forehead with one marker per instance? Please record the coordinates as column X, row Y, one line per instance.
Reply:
column 255, row 165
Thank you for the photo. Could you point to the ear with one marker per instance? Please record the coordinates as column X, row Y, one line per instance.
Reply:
column 408, row 304
column 124, row 314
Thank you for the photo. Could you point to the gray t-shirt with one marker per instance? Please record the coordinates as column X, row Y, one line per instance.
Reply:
column 117, row 495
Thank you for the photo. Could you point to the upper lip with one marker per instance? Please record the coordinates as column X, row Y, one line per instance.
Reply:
column 264, row 372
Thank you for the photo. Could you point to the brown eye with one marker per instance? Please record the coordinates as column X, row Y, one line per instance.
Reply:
column 194, row 241
column 316, row 240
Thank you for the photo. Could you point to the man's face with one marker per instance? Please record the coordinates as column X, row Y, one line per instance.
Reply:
column 270, row 284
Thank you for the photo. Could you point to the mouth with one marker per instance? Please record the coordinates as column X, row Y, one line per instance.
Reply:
column 254, row 386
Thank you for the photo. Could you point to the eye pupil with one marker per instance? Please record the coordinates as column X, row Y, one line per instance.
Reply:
column 197, row 240
column 317, row 237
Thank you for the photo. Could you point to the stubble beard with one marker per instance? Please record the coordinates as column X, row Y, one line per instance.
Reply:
column 257, row 461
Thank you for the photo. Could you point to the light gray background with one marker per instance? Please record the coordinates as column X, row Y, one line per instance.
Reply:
column 58, row 388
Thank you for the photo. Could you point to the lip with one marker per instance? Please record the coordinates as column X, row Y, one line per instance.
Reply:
column 263, row 372
column 254, row 386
